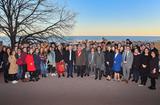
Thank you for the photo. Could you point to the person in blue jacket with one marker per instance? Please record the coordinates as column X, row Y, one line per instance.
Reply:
column 117, row 64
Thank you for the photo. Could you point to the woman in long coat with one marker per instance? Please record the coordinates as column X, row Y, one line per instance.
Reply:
column 144, row 71
column 13, row 68
column 60, row 66
column 5, row 63
column 31, row 65
column 154, row 67
column 117, row 64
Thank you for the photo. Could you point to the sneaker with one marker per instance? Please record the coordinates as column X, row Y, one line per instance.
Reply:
column 54, row 74
column 14, row 82
column 140, row 85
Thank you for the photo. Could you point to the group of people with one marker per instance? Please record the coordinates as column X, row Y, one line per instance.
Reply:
column 120, row 61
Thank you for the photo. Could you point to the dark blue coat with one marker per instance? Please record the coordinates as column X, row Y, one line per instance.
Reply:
column 117, row 63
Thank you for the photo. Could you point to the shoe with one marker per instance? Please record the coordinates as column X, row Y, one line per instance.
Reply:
column 6, row 81
column 72, row 76
column 136, row 81
column 14, row 82
column 133, row 80
column 140, row 85
column 59, row 76
column 126, row 81
column 54, row 74
column 63, row 75
column 152, row 88
column 68, row 76
column 123, row 80
column 95, row 78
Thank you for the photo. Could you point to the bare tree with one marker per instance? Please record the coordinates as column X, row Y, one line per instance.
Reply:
column 34, row 20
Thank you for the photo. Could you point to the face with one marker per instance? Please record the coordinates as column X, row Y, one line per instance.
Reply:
column 116, row 50
column 127, row 48
column 92, row 50
column 4, row 49
column 146, row 51
column 19, row 51
column 59, row 47
column 109, row 48
column 113, row 48
column 136, row 51
column 70, row 48
column 13, row 52
column 31, row 51
column 153, row 54
column 99, row 49
column 8, row 51
column 79, row 47
column 37, row 51
column 152, row 45
column 24, row 49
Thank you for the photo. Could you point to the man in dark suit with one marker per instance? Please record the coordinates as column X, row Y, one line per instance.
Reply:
column 70, row 60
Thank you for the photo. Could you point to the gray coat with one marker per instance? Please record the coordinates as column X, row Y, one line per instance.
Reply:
column 99, row 60
column 129, row 59
column 90, row 61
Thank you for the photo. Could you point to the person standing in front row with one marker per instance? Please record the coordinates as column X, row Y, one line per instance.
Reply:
column 91, row 60
column 31, row 65
column 154, row 67
column 99, row 62
column 70, row 61
column 136, row 65
column 60, row 61
column 51, row 61
column 117, row 64
column 5, row 63
column 127, row 63
column 13, row 67
column 144, row 70
column 80, row 61
column 109, row 59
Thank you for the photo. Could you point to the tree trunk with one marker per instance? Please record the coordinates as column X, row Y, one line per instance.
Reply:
column 13, row 41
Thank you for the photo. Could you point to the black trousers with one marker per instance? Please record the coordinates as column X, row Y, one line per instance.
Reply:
column 32, row 75
column 135, row 74
column 87, row 70
column 98, row 73
column 5, row 68
column 13, row 77
column 24, row 69
column 108, row 70
column 70, row 69
column 153, row 82
column 144, row 77
column 51, row 69
column 80, row 71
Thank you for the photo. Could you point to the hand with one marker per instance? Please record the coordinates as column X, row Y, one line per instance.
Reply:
column 125, row 62
column 154, row 71
column 107, row 63
column 144, row 66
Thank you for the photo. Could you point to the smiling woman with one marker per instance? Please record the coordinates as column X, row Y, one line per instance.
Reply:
column 116, row 17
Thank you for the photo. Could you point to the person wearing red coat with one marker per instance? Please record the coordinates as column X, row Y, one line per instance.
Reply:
column 30, row 65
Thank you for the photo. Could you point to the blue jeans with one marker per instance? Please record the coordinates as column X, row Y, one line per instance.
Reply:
column 70, row 69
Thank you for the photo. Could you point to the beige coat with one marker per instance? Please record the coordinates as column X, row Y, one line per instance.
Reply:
column 13, row 68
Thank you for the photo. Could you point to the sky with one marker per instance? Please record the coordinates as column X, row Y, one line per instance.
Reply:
column 116, row 17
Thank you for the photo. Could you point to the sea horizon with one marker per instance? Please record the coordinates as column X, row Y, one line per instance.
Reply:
column 73, row 38
column 116, row 38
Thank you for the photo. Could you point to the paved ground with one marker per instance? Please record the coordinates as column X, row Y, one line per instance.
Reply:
column 77, row 91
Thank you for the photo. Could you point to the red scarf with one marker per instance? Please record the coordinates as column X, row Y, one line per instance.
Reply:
column 79, row 52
